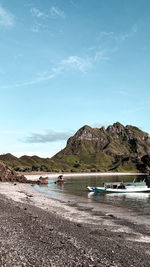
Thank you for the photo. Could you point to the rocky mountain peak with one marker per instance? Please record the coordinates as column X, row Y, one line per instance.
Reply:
column 116, row 128
column 115, row 140
column 102, row 129
column 84, row 133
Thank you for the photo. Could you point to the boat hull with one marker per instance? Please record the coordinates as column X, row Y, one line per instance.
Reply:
column 111, row 190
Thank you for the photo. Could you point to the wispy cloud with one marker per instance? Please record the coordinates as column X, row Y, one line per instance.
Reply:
column 70, row 64
column 41, row 18
column 76, row 63
column 37, row 13
column 48, row 136
column 37, row 27
column 121, row 36
column 99, row 124
column 56, row 12
column 100, row 56
column 106, row 34
column 6, row 18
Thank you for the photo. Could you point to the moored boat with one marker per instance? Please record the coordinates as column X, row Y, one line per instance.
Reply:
column 121, row 187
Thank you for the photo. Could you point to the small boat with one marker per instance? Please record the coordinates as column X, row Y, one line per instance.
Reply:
column 121, row 187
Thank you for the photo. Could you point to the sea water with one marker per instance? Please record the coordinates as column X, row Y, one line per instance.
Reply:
column 75, row 189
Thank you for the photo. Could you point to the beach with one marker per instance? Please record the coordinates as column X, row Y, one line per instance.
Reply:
column 37, row 230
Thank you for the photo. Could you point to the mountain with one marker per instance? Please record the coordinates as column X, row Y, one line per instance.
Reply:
column 116, row 148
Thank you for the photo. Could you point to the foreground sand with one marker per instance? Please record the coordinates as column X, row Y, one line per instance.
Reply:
column 36, row 230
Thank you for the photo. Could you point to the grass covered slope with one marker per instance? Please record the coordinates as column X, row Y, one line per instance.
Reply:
column 116, row 148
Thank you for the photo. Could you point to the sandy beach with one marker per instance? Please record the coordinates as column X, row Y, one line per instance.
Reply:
column 37, row 230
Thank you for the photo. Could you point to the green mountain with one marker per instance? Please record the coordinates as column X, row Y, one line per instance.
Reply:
column 116, row 148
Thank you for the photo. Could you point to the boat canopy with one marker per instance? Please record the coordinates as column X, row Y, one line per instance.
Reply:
column 116, row 184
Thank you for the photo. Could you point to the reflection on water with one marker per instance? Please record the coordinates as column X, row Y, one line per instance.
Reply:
column 76, row 188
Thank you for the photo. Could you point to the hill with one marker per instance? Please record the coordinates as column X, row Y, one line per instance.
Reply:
column 116, row 148
column 26, row 163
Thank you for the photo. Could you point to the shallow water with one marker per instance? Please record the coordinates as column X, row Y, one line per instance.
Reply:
column 75, row 190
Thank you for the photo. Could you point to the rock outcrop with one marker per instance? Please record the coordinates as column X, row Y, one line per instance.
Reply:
column 42, row 180
column 143, row 164
column 8, row 175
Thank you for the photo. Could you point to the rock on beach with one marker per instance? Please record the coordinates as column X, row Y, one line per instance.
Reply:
column 8, row 175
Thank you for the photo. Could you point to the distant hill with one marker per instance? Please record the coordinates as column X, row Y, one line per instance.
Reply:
column 116, row 148
column 26, row 163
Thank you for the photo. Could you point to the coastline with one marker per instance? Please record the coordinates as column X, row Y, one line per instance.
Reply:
column 89, row 240
column 36, row 175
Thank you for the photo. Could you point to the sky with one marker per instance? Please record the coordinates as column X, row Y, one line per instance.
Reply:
column 69, row 63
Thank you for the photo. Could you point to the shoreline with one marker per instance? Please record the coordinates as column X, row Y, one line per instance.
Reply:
column 69, row 207
column 87, row 240
column 50, row 175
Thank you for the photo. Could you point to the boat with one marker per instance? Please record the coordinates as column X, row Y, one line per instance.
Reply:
column 121, row 187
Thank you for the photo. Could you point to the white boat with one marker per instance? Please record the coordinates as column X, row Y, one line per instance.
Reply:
column 121, row 187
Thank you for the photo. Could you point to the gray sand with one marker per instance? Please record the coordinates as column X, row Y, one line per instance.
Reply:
column 36, row 230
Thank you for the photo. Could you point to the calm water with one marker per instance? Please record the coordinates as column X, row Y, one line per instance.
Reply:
column 75, row 189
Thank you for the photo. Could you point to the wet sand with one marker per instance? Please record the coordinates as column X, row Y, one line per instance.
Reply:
column 36, row 230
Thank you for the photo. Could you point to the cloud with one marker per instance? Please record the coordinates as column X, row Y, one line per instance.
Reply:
column 48, row 136
column 38, row 24
column 70, row 64
column 37, row 13
column 100, row 56
column 6, row 18
column 37, row 27
column 99, row 125
column 107, row 34
column 76, row 63
column 56, row 12
column 121, row 36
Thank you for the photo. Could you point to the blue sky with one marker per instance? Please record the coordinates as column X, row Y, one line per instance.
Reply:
column 64, row 64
